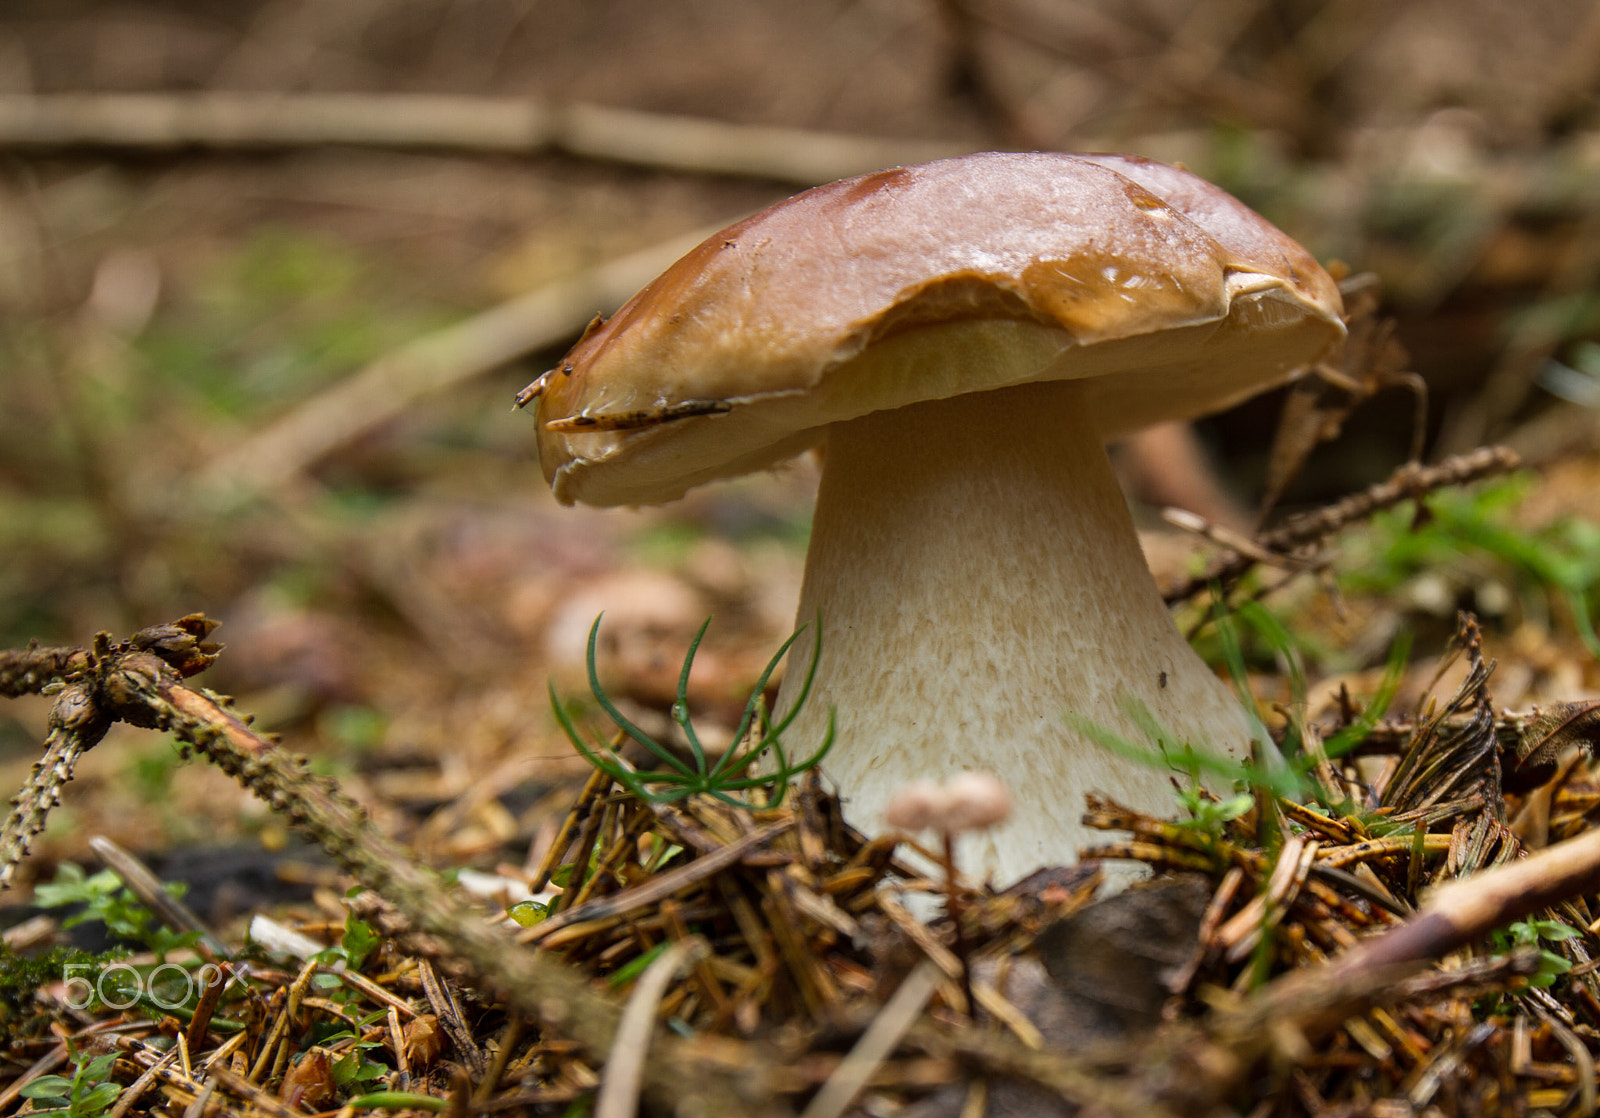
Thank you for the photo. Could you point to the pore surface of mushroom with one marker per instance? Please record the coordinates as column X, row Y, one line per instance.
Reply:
column 960, row 338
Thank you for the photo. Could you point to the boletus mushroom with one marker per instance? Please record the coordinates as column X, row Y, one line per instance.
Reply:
column 960, row 339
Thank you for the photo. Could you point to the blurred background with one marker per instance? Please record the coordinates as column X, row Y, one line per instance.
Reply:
column 272, row 271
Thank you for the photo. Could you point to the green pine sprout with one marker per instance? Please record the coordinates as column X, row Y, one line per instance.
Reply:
column 724, row 778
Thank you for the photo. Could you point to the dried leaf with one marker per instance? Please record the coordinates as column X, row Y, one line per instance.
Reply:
column 423, row 1041
column 308, row 1084
column 1549, row 733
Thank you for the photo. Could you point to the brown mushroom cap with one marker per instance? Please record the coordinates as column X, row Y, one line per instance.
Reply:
column 1171, row 297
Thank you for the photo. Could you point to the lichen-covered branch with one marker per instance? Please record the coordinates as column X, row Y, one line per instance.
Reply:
column 32, row 669
column 140, row 682
column 76, row 725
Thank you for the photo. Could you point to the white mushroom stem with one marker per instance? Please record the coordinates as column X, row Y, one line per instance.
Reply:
column 978, row 577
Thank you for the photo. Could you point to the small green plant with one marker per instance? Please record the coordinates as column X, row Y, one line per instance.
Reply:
column 1209, row 816
column 351, row 1070
column 105, row 899
column 723, row 779
column 1530, row 933
column 354, row 1072
column 359, row 941
column 636, row 966
column 528, row 913
column 88, row 1094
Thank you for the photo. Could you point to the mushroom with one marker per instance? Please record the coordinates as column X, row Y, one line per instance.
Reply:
column 968, row 801
column 960, row 339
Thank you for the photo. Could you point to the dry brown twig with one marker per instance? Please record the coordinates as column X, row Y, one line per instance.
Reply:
column 876, row 1044
column 1293, row 543
column 1455, row 915
column 146, row 886
column 619, row 1085
column 1317, row 405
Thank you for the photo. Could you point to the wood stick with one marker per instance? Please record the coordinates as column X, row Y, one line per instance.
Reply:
column 624, row 1071
column 497, row 125
column 376, row 394
column 1456, row 914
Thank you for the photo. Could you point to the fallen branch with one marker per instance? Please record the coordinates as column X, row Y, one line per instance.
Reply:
column 77, row 722
column 500, row 125
column 1456, row 915
column 76, row 726
column 29, row 671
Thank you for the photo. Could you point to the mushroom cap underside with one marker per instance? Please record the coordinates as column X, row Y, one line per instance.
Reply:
column 1167, row 295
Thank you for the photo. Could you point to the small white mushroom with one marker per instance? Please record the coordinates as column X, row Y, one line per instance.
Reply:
column 977, row 801
column 917, row 806
column 970, row 801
